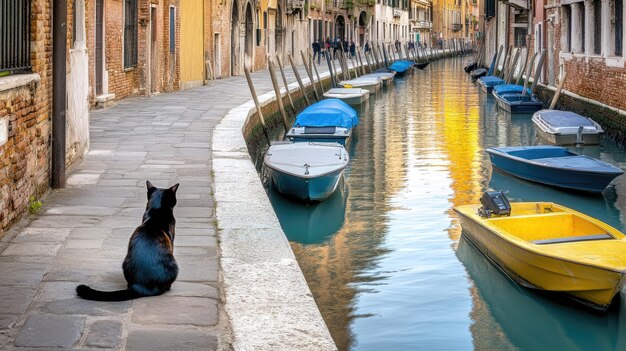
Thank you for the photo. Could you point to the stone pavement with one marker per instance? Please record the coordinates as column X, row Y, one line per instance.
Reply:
column 81, row 233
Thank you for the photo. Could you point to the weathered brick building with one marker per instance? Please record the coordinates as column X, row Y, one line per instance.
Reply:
column 25, row 106
column 582, row 38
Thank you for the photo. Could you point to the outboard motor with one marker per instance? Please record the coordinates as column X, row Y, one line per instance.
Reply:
column 494, row 203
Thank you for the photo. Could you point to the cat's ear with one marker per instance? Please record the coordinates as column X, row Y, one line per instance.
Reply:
column 174, row 188
column 151, row 188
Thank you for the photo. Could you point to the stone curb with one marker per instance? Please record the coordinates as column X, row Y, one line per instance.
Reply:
column 266, row 298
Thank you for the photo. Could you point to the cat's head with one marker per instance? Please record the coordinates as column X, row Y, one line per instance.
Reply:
column 159, row 198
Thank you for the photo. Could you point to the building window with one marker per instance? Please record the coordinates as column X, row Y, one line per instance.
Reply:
column 130, row 33
column 15, row 42
column 619, row 18
column 566, row 42
column 520, row 37
column 597, row 27
column 172, row 29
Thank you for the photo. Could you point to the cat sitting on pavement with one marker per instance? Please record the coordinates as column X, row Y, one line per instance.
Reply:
column 149, row 266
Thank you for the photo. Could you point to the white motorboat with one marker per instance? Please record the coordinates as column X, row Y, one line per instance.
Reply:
column 351, row 96
column 566, row 128
column 306, row 171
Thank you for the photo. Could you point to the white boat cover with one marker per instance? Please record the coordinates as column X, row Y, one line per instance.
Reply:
column 307, row 160
column 565, row 122
column 360, row 82
column 346, row 93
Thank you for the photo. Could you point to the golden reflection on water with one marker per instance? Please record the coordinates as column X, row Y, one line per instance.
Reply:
column 434, row 122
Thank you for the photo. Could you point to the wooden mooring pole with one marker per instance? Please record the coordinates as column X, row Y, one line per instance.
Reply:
column 279, row 97
column 282, row 73
column 295, row 72
column 319, row 81
column 256, row 102
column 309, row 72
column 555, row 98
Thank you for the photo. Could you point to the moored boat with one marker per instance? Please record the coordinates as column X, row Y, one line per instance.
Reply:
column 329, row 120
column 555, row 166
column 518, row 103
column 372, row 84
column 546, row 246
column 386, row 77
column 351, row 96
column 306, row 171
column 422, row 65
column 487, row 83
column 566, row 128
column 400, row 67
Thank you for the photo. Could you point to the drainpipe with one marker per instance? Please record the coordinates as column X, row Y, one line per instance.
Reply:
column 59, row 92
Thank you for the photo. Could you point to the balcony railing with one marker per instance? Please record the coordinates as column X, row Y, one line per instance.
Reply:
column 421, row 24
column 457, row 27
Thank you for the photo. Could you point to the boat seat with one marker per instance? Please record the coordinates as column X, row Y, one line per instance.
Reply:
column 319, row 130
column 571, row 239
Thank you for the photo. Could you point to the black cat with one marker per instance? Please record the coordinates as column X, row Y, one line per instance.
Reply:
column 149, row 266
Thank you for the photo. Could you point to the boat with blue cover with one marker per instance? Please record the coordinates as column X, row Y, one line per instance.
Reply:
column 306, row 171
column 525, row 101
column 566, row 128
column 509, row 89
column 555, row 166
column 487, row 83
column 400, row 67
column 518, row 103
column 329, row 120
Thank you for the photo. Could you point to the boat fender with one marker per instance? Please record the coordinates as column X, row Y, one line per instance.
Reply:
column 494, row 203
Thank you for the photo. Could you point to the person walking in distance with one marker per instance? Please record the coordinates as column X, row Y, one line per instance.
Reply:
column 316, row 51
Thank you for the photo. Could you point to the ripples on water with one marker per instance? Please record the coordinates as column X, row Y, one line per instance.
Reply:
column 383, row 256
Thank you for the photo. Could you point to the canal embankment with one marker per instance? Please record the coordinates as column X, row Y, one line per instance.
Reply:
column 267, row 299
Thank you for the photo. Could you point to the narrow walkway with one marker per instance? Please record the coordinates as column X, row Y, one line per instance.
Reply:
column 81, row 234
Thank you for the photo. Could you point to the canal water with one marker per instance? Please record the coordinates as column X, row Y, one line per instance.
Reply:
column 384, row 256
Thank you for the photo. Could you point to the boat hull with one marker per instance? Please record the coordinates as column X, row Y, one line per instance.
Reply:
column 517, row 103
column 350, row 99
column 558, row 177
column 373, row 88
column 593, row 286
column 306, row 189
column 568, row 139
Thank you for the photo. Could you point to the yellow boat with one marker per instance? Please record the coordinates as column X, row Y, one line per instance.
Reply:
column 546, row 246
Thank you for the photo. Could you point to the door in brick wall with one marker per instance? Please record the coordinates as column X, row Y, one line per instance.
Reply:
column 99, row 45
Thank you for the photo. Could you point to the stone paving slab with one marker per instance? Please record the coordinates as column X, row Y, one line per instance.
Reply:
column 81, row 234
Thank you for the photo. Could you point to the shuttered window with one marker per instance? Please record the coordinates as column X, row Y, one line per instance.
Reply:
column 130, row 33
column 14, row 36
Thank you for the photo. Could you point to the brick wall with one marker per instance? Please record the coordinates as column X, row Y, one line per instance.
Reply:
column 589, row 76
column 24, row 159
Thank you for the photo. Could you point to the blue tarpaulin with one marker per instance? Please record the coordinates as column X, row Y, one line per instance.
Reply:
column 400, row 66
column 327, row 113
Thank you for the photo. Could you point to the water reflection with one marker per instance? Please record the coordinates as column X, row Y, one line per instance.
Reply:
column 311, row 223
column 508, row 316
column 381, row 257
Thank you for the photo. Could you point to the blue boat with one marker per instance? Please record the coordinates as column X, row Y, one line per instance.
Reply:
column 400, row 67
column 509, row 89
column 306, row 171
column 555, row 166
column 327, row 120
column 487, row 83
column 518, row 103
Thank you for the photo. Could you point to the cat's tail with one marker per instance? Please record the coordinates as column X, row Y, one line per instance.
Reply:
column 88, row 293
